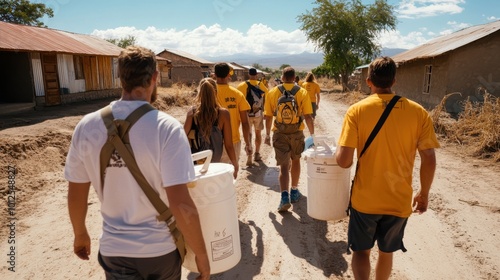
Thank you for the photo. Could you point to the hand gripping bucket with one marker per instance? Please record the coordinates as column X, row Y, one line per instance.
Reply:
column 327, row 183
column 215, row 198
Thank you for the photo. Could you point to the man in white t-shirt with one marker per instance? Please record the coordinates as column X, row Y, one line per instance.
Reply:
column 133, row 243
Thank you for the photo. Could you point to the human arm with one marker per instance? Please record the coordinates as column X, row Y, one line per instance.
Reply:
column 246, row 131
column 427, row 170
column 318, row 97
column 188, row 122
column 269, row 120
column 310, row 123
column 344, row 156
column 188, row 221
column 228, row 139
column 78, row 194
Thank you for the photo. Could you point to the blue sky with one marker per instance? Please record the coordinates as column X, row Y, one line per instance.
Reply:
column 224, row 27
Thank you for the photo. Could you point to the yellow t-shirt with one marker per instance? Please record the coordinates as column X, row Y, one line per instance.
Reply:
column 383, row 183
column 312, row 89
column 301, row 97
column 235, row 102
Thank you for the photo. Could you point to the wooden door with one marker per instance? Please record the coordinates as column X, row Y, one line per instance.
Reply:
column 50, row 79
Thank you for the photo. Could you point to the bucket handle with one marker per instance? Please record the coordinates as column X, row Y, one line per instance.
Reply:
column 321, row 141
column 203, row 154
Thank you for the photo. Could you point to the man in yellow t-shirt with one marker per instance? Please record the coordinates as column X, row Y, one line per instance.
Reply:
column 288, row 146
column 234, row 101
column 381, row 200
column 313, row 90
column 255, row 115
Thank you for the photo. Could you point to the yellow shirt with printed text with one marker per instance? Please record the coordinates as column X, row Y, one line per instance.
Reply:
column 235, row 102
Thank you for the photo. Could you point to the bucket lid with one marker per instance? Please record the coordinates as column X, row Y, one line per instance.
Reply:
column 320, row 152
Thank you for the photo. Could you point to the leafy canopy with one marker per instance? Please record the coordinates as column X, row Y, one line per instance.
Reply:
column 123, row 42
column 24, row 12
column 346, row 32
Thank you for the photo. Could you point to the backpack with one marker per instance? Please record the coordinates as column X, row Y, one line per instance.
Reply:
column 255, row 98
column 287, row 115
column 198, row 143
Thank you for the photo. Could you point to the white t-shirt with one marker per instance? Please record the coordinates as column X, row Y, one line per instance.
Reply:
column 162, row 152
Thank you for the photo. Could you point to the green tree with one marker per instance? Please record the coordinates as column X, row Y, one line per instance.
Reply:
column 346, row 31
column 283, row 66
column 123, row 42
column 24, row 12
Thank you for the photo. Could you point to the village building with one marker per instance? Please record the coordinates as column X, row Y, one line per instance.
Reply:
column 185, row 68
column 464, row 62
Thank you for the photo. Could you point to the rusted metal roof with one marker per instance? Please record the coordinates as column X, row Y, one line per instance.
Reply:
column 15, row 37
column 188, row 56
column 448, row 43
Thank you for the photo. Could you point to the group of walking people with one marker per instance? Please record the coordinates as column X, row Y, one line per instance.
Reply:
column 135, row 245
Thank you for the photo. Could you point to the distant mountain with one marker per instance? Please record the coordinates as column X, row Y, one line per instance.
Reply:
column 303, row 62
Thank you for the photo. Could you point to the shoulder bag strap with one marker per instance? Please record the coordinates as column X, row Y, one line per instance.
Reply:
column 374, row 133
column 116, row 140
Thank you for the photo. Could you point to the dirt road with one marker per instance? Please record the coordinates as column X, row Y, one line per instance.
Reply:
column 458, row 238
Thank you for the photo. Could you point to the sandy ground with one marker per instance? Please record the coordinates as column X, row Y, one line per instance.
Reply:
column 458, row 238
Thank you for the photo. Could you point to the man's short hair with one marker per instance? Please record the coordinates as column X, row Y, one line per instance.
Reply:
column 252, row 72
column 382, row 72
column 222, row 69
column 136, row 67
column 288, row 74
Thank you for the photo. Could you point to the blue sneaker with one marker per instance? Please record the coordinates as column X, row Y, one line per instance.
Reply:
column 284, row 203
column 295, row 195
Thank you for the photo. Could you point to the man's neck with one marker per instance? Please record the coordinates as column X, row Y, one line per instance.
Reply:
column 137, row 94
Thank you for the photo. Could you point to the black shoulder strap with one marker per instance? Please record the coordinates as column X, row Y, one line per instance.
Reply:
column 374, row 133
column 295, row 89
column 380, row 123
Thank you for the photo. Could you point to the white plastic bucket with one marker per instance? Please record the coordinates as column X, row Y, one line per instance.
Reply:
column 327, row 183
column 215, row 198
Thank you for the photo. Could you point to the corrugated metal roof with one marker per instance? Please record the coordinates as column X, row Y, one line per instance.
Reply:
column 189, row 56
column 17, row 37
column 448, row 43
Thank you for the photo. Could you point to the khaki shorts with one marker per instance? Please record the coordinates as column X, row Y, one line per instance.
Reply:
column 288, row 146
column 257, row 122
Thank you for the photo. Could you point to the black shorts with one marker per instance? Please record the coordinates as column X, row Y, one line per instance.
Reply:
column 163, row 267
column 365, row 229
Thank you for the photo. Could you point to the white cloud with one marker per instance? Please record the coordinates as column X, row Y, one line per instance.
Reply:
column 492, row 18
column 428, row 8
column 215, row 41
column 396, row 40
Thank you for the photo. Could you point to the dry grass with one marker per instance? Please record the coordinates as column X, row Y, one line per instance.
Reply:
column 477, row 128
column 178, row 95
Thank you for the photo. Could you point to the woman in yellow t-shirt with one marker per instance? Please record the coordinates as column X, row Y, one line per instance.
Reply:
column 313, row 90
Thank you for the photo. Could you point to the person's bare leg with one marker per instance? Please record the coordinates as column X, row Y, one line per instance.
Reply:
column 361, row 265
column 284, row 177
column 258, row 140
column 295, row 171
column 384, row 266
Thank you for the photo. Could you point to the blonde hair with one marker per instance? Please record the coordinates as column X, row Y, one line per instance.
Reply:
column 207, row 107
column 136, row 66
column 310, row 77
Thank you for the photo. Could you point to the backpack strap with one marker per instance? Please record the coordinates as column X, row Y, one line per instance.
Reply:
column 118, row 131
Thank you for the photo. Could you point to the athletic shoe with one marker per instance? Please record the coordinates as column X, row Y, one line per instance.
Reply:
column 295, row 195
column 257, row 157
column 284, row 203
